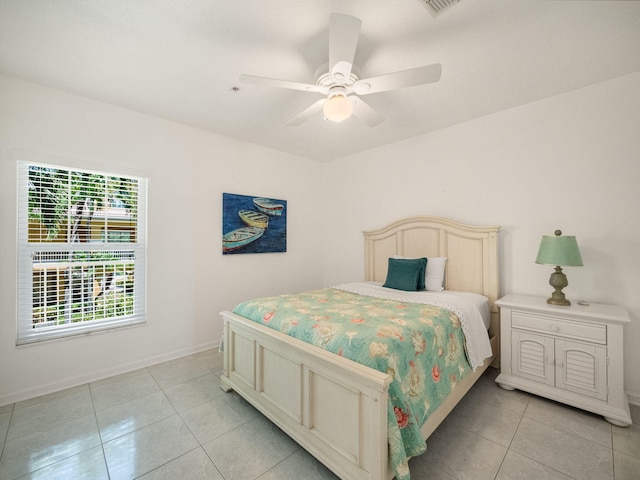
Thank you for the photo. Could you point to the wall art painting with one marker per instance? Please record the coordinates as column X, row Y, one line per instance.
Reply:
column 253, row 224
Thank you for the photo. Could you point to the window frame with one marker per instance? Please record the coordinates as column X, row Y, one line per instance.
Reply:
column 126, row 254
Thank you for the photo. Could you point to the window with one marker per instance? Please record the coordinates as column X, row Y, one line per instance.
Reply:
column 81, row 251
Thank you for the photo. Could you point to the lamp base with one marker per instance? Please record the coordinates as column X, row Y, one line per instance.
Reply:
column 563, row 302
column 558, row 281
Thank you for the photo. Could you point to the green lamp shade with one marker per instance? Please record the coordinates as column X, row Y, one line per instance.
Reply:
column 559, row 250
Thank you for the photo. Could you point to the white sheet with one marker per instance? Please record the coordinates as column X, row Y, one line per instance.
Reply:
column 472, row 310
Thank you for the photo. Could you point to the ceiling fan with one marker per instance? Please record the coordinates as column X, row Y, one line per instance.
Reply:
column 339, row 84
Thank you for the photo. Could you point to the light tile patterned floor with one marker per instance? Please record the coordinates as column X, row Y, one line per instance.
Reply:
column 172, row 421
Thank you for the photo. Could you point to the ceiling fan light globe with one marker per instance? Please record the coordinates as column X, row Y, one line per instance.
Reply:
column 337, row 108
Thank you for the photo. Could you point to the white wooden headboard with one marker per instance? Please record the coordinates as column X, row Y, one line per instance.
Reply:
column 471, row 251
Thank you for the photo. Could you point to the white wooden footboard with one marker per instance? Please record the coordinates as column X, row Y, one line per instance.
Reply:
column 335, row 408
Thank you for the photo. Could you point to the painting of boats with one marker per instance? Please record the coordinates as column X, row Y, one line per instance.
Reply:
column 241, row 237
column 268, row 206
column 253, row 224
column 254, row 219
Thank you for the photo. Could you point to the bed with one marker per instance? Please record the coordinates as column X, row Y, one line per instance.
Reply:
column 335, row 408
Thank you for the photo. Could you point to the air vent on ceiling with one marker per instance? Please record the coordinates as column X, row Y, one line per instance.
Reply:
column 436, row 7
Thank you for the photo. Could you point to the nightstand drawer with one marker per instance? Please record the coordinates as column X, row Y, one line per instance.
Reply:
column 559, row 327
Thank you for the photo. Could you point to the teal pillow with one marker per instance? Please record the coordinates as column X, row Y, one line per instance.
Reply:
column 404, row 274
column 423, row 268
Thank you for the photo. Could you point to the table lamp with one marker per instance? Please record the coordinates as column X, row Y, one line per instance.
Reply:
column 559, row 251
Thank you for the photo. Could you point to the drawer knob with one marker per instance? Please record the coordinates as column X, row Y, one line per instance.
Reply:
column 554, row 328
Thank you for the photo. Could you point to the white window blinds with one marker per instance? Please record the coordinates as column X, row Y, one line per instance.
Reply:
column 81, row 251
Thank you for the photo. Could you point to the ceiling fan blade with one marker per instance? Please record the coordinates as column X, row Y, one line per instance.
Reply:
column 364, row 112
column 397, row 80
column 344, row 31
column 274, row 82
column 307, row 113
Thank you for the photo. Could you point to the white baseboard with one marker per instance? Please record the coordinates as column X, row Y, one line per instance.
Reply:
column 94, row 376
column 634, row 398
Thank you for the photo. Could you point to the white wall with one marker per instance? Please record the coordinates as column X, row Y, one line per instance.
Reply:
column 189, row 280
column 570, row 162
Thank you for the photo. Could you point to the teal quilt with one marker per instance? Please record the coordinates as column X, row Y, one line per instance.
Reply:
column 420, row 346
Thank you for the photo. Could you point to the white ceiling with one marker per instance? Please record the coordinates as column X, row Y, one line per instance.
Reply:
column 180, row 59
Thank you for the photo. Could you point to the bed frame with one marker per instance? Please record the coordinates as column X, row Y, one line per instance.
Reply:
column 334, row 408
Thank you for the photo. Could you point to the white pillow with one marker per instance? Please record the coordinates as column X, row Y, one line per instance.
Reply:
column 434, row 276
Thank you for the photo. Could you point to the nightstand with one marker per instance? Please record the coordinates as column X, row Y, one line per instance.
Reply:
column 569, row 354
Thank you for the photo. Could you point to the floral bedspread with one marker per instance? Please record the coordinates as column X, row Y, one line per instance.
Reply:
column 421, row 346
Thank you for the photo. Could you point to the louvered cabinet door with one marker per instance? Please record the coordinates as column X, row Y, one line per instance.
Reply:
column 532, row 357
column 581, row 368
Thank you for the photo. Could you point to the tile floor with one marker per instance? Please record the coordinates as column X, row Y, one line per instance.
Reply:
column 172, row 421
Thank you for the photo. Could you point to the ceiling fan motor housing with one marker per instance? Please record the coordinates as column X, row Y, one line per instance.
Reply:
column 324, row 78
column 337, row 90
